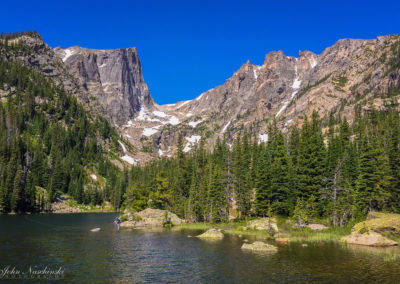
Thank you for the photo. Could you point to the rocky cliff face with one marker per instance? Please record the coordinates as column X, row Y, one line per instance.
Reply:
column 284, row 88
column 113, row 77
column 352, row 71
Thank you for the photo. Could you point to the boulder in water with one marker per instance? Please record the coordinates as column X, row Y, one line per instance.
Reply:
column 258, row 246
column 150, row 218
column 368, row 239
column 95, row 230
column 212, row 234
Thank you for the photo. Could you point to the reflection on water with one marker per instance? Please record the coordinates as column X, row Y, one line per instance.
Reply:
column 163, row 256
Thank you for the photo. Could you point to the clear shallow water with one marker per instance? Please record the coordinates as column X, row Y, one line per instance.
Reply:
column 170, row 256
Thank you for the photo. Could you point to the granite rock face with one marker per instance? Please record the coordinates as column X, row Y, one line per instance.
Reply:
column 284, row 88
column 113, row 77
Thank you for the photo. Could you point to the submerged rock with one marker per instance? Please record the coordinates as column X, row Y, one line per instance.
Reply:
column 368, row 239
column 259, row 247
column 284, row 241
column 95, row 230
column 150, row 218
column 212, row 234
column 268, row 224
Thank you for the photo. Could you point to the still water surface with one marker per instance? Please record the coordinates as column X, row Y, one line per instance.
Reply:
column 170, row 256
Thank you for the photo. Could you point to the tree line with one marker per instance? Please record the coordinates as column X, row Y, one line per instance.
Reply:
column 326, row 168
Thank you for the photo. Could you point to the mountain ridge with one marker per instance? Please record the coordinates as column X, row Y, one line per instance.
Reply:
column 284, row 88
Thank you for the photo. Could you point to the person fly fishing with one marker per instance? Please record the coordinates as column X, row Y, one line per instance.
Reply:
column 118, row 222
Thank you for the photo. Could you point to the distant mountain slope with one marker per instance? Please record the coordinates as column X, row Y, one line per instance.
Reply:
column 284, row 88
column 350, row 72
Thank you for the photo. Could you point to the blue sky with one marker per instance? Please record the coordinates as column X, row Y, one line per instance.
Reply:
column 187, row 47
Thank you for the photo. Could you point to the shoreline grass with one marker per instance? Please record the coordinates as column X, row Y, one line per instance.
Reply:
column 285, row 231
column 232, row 228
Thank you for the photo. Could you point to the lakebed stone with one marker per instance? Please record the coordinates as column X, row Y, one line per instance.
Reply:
column 212, row 234
column 258, row 246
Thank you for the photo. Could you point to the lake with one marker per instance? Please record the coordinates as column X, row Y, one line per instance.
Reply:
column 51, row 242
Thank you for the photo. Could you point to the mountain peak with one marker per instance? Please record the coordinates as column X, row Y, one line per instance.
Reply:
column 112, row 76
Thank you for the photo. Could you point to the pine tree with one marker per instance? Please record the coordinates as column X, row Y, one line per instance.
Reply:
column 161, row 196
column 218, row 201
column 194, row 202
column 374, row 180
column 394, row 161
column 311, row 162
column 17, row 191
column 263, row 183
column 280, row 197
column 9, row 180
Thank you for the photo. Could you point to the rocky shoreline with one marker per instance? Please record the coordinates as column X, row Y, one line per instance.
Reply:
column 149, row 218
column 64, row 204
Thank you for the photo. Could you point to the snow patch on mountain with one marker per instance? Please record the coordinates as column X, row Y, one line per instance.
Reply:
column 144, row 116
column 159, row 113
column 193, row 138
column 296, row 84
column 195, row 123
column 126, row 157
column 184, row 103
column 122, row 145
column 129, row 160
column 68, row 53
column 263, row 138
column 187, row 148
column 199, row 97
column 225, row 127
column 149, row 131
column 173, row 120
column 313, row 62
column 255, row 74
